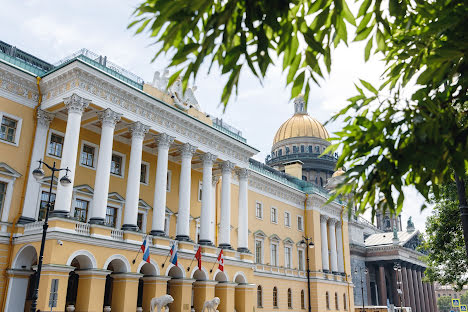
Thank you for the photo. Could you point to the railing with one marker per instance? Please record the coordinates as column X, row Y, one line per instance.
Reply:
column 279, row 270
column 34, row 227
column 368, row 223
column 24, row 60
column 230, row 133
column 82, row 228
column 117, row 234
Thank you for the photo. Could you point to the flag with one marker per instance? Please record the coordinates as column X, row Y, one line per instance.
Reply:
column 145, row 249
column 198, row 257
column 221, row 261
column 173, row 254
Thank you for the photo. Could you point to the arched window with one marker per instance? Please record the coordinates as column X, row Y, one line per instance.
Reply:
column 336, row 301
column 310, row 149
column 302, row 299
column 317, row 149
column 287, row 150
column 275, row 297
column 387, row 222
column 327, row 300
column 280, row 152
column 304, row 178
column 302, row 149
column 345, row 304
column 321, row 181
column 289, row 298
column 259, row 296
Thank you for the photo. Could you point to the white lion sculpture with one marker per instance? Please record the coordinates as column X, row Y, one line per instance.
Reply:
column 161, row 302
column 211, row 305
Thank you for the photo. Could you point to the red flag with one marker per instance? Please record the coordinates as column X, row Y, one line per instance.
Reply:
column 221, row 261
column 198, row 257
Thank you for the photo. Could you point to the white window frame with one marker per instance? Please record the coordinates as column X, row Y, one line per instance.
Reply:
column 276, row 215
column 7, row 200
column 118, row 219
column 302, row 223
column 289, row 215
column 262, row 253
column 167, row 219
column 49, row 138
column 45, row 188
column 19, row 123
column 261, row 210
column 290, row 256
column 277, row 254
column 299, row 258
column 78, row 195
column 200, row 190
column 124, row 160
column 95, row 157
column 169, row 180
column 144, row 212
column 147, row 172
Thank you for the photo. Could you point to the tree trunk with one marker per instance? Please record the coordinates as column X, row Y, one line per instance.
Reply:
column 463, row 207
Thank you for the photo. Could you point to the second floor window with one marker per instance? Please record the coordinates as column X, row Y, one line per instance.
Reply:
column 258, row 210
column 143, row 173
column 3, row 187
column 8, row 129
column 300, row 255
column 81, row 210
column 258, row 251
column 274, row 255
column 111, row 216
column 140, row 221
column 87, row 155
column 274, row 215
column 300, row 224
column 287, row 257
column 287, row 219
column 43, row 204
column 116, row 165
column 56, row 145
column 200, row 190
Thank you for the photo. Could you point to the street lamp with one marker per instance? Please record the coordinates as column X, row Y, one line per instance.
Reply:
column 399, row 281
column 362, row 284
column 307, row 241
column 38, row 174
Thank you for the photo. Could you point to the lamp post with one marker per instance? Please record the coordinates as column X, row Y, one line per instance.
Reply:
column 362, row 285
column 399, row 281
column 38, row 174
column 307, row 242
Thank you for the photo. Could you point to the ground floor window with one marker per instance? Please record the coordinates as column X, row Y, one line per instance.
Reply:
column 275, row 297
column 259, row 296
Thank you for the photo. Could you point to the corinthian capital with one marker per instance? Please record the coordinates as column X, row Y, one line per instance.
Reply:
column 108, row 117
column 227, row 166
column 76, row 104
column 44, row 118
column 163, row 140
column 323, row 218
column 187, row 150
column 332, row 221
column 214, row 180
column 243, row 173
column 208, row 158
column 138, row 130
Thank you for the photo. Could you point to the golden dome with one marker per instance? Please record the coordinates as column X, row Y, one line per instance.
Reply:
column 301, row 125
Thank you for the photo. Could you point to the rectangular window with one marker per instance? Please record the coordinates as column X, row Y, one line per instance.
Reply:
column 168, row 182
column 3, row 188
column 53, row 293
column 274, row 215
column 116, row 165
column 43, row 204
column 144, row 173
column 56, row 145
column 287, row 257
column 287, row 219
column 259, row 210
column 166, row 225
column 81, row 210
column 140, row 221
column 111, row 216
column 258, row 251
column 302, row 149
column 8, row 129
column 87, row 156
column 300, row 256
column 200, row 190
column 300, row 224
column 274, row 255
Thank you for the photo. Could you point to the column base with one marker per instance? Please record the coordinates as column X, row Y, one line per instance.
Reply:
column 130, row 227
column 243, row 249
column 25, row 220
column 225, row 246
column 98, row 221
column 59, row 214
column 325, row 271
column 183, row 238
column 335, row 272
column 158, row 233
column 205, row 242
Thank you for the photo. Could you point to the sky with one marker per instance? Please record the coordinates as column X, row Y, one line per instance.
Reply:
column 52, row 30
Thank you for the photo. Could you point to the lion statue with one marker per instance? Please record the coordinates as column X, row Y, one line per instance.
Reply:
column 211, row 305
column 161, row 302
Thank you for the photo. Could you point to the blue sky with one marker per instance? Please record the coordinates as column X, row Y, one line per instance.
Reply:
column 55, row 29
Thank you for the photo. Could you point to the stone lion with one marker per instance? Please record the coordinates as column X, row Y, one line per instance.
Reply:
column 211, row 305
column 161, row 302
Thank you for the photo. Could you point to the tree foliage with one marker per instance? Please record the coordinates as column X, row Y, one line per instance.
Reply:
column 444, row 303
column 446, row 260
column 394, row 135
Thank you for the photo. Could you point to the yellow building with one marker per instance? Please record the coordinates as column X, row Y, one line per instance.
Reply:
column 144, row 161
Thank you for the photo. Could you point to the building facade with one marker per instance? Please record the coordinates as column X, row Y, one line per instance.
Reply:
column 149, row 163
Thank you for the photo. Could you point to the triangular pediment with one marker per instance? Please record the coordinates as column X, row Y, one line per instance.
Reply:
column 274, row 237
column 84, row 189
column 259, row 233
column 143, row 205
column 116, row 197
column 288, row 241
column 9, row 171
column 169, row 211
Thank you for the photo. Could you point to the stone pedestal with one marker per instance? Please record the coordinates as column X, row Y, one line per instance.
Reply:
column 244, row 297
column 153, row 287
column 124, row 292
column 181, row 291
column 17, row 288
column 202, row 291
column 225, row 292
column 91, row 287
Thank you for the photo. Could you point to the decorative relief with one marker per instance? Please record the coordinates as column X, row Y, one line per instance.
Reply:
column 44, row 118
column 76, row 104
column 243, row 173
column 164, row 140
column 214, row 179
column 16, row 85
column 208, row 159
column 227, row 166
column 187, row 150
column 108, row 117
column 138, row 130
column 332, row 221
column 323, row 218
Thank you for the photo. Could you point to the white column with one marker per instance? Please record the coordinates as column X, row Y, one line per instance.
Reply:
column 332, row 237
column 205, row 215
column 225, row 218
column 213, row 225
column 108, row 120
column 138, row 131
column 32, row 189
column 75, row 105
column 159, row 203
column 243, row 219
column 323, row 234
column 339, row 246
column 183, row 217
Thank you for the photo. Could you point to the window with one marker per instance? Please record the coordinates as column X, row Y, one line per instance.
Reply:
column 3, row 188
column 310, row 149
column 336, row 301
column 321, row 181
column 300, row 223
column 258, row 251
column 287, row 150
column 287, row 257
column 287, row 219
column 274, row 215
column 167, row 221
column 81, row 210
column 280, row 152
column 295, row 149
column 274, row 254
column 116, row 165
column 300, row 256
column 8, row 129
column 387, row 222
column 144, row 173
column 111, row 216
column 302, row 149
column 345, row 304
column 317, row 149
column 200, row 190
column 289, row 298
column 87, row 155
column 259, row 210
column 53, row 296
column 55, row 145
column 303, row 297
column 259, row 297
column 140, row 219
column 168, row 182
column 43, row 204
column 327, row 299
column 275, row 297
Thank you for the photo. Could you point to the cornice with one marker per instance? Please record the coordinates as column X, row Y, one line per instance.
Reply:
column 18, row 86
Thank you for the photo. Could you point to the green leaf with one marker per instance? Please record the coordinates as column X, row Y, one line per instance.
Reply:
column 364, row 7
column 369, row 87
column 346, row 13
column 363, row 34
column 368, row 49
column 298, row 84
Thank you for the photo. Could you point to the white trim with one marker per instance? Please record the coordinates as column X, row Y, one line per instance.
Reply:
column 262, row 253
column 241, row 274
column 7, row 200
column 169, row 267
column 277, row 253
column 303, row 259
column 82, row 197
column 49, row 138
column 147, row 164
column 83, row 252
column 119, row 257
column 19, row 123
column 44, row 188
column 207, row 275
column 290, row 255
column 169, row 180
column 144, row 212
column 152, row 262
column 276, row 215
column 124, row 159
column 261, row 210
column 95, row 156
column 167, row 219
column 119, row 211
column 302, row 223
column 289, row 215
column 222, row 272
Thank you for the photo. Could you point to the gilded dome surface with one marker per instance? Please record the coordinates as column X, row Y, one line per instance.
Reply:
column 301, row 125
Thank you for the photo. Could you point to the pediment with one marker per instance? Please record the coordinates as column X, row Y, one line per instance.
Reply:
column 84, row 189
column 274, row 237
column 116, row 197
column 259, row 233
column 288, row 241
column 143, row 205
column 9, row 171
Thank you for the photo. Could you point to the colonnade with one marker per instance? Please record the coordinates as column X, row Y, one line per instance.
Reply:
column 332, row 245
column 76, row 105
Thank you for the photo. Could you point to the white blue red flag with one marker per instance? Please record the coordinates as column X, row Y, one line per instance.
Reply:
column 174, row 254
column 145, row 249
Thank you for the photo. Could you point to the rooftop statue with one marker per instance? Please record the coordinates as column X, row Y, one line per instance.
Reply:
column 410, row 225
column 181, row 100
column 160, row 81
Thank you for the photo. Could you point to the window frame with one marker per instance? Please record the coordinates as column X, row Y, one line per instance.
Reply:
column 49, row 138
column 168, row 181
column 299, row 258
column 95, row 155
column 147, row 164
column 302, row 299
column 288, row 246
column 262, row 250
column 116, row 225
column 275, row 297
column 261, row 210
column 289, row 219
column 123, row 156
column 259, row 298
column 79, row 198
column 200, row 190
column 276, row 215
column 327, row 300
column 290, row 300
column 337, row 301
column 276, row 244
column 301, row 229
column 6, row 205
column 19, row 123
column 345, row 303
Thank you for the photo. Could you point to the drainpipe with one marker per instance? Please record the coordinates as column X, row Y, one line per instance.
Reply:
column 344, row 258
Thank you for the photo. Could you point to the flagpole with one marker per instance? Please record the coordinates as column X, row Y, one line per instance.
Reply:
column 134, row 260
column 162, row 266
